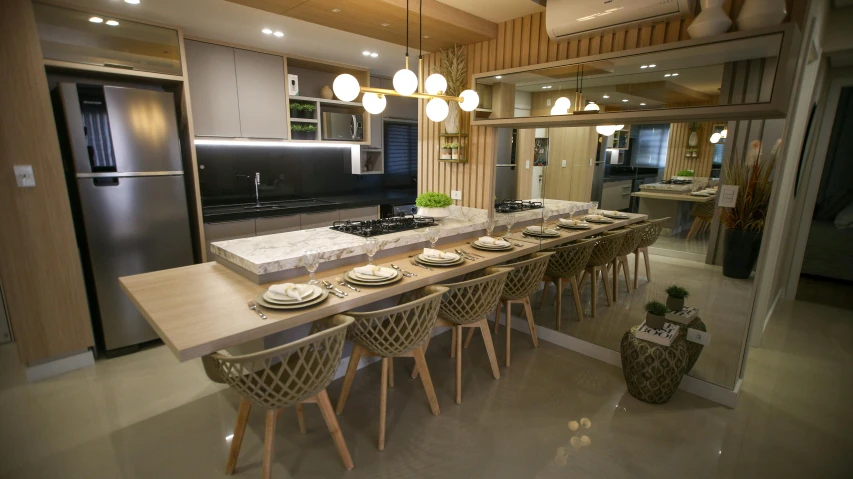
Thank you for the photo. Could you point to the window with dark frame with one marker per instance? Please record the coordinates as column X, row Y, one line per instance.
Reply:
column 401, row 149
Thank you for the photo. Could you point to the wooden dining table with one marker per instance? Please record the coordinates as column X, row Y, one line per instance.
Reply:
column 203, row 308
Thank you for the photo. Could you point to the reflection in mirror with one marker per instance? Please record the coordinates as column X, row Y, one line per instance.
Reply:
column 676, row 78
column 635, row 171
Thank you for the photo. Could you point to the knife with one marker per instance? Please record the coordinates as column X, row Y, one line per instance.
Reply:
column 331, row 287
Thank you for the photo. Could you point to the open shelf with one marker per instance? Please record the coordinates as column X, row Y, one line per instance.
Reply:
column 452, row 134
column 322, row 100
column 460, row 160
column 305, row 120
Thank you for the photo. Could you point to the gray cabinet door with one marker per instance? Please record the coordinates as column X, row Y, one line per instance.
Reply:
column 279, row 224
column 397, row 107
column 319, row 220
column 213, row 89
column 260, row 90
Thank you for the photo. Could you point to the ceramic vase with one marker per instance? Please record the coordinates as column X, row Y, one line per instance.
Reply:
column 761, row 13
column 436, row 213
column 451, row 123
column 674, row 304
column 711, row 21
column 654, row 321
column 741, row 253
column 326, row 93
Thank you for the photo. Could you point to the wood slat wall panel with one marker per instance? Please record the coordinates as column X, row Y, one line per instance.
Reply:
column 524, row 41
column 679, row 134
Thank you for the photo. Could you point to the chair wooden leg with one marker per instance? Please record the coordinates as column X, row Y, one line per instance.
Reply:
column 615, row 279
column 239, row 432
column 528, row 311
column 498, row 316
column 452, row 343
column 390, row 372
column 593, row 291
column 470, row 336
column 576, row 293
column 694, row 228
column 459, row 365
column 490, row 348
column 269, row 439
column 559, row 304
column 508, row 329
column 607, row 291
column 583, row 277
column 648, row 268
column 424, row 347
column 352, row 367
column 334, row 429
column 420, row 360
column 636, row 268
column 300, row 418
column 626, row 273
column 383, row 402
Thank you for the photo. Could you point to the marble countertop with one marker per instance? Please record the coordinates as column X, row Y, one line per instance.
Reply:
column 557, row 207
column 278, row 252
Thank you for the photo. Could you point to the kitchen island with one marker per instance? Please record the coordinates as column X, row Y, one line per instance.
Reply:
column 201, row 309
column 674, row 206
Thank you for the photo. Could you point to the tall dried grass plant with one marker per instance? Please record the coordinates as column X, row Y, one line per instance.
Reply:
column 754, row 179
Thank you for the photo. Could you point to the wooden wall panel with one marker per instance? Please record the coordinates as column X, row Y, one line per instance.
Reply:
column 525, row 142
column 577, row 146
column 39, row 261
column 679, row 134
column 524, row 41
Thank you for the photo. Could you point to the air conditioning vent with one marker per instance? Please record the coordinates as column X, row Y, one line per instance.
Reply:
column 565, row 19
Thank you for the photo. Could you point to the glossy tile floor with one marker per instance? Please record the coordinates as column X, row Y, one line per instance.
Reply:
column 696, row 246
column 724, row 305
column 147, row 416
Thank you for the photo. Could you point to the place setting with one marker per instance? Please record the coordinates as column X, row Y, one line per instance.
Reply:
column 370, row 274
column 573, row 224
column 615, row 215
column 489, row 242
column 542, row 231
column 292, row 296
column 598, row 218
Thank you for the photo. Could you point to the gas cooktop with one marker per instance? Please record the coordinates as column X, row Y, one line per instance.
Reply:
column 512, row 206
column 384, row 226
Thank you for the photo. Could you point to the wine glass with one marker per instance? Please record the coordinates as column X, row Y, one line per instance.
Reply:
column 432, row 234
column 594, row 206
column 510, row 222
column 547, row 213
column 490, row 226
column 371, row 246
column 311, row 261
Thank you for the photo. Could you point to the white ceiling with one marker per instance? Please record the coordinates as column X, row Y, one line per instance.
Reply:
column 232, row 23
column 497, row 10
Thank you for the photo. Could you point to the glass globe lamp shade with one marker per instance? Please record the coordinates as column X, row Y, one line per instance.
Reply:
column 435, row 84
column 405, row 82
column 605, row 130
column 470, row 100
column 373, row 103
column 715, row 138
column 346, row 87
column 437, row 109
column 592, row 106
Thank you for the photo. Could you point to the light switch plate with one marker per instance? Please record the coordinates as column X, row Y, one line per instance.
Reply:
column 728, row 196
column 455, row 194
column 697, row 336
column 24, row 176
column 564, row 163
column 527, row 165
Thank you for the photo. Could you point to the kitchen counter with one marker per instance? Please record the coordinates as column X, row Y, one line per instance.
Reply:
column 557, row 207
column 221, row 213
column 676, row 207
column 611, row 178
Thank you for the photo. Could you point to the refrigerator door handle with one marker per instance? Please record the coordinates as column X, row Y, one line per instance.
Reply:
column 75, row 127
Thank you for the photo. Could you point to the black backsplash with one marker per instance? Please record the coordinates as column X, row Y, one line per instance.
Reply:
column 286, row 173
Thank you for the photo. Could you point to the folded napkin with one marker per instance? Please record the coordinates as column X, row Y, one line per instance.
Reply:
column 290, row 291
column 567, row 221
column 377, row 271
column 594, row 217
column 492, row 241
column 535, row 229
column 434, row 253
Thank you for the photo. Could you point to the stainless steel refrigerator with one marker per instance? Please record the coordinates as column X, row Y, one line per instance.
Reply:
column 506, row 174
column 123, row 161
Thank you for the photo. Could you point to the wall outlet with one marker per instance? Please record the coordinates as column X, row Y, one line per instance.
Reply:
column 547, row 102
column 456, row 194
column 24, row 176
column 697, row 336
column 564, row 163
column 527, row 165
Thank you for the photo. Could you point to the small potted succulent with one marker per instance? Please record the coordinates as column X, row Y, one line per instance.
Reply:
column 656, row 314
column 446, row 153
column 675, row 297
column 435, row 205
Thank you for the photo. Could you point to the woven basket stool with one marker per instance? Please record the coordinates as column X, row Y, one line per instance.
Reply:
column 653, row 371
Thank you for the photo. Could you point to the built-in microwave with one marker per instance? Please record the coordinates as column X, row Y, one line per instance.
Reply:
column 342, row 126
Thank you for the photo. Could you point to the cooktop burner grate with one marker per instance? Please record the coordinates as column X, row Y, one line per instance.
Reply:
column 512, row 206
column 384, row 226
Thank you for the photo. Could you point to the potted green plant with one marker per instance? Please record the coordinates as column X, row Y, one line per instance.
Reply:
column 454, row 151
column 445, row 151
column 432, row 204
column 300, row 109
column 675, row 296
column 688, row 173
column 299, row 131
column 655, row 314
column 745, row 222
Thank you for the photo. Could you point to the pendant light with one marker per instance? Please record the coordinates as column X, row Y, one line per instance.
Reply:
column 405, row 81
column 435, row 84
column 346, row 87
column 592, row 106
column 374, row 103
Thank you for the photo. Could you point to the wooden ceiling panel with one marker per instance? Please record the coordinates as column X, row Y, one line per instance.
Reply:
column 444, row 25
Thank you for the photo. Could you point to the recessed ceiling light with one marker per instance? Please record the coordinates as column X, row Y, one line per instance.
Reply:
column 278, row 34
column 365, row 53
column 426, row 36
column 605, row 96
column 267, row 31
column 624, row 101
column 385, row 24
column 668, row 75
column 112, row 23
column 644, row 66
column 374, row 55
column 546, row 87
column 336, row 10
column 642, row 104
column 675, row 74
column 498, row 77
column 132, row 2
column 652, row 65
column 96, row 19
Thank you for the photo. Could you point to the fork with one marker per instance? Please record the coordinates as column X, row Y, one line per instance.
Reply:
column 333, row 289
column 345, row 284
column 466, row 256
column 254, row 307
column 402, row 271
column 472, row 254
column 415, row 263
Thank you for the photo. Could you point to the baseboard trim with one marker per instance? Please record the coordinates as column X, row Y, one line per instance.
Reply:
column 670, row 253
column 697, row 387
column 55, row 367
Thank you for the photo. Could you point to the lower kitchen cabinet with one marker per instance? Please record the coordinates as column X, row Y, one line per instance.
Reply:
column 616, row 195
column 228, row 231
column 278, row 224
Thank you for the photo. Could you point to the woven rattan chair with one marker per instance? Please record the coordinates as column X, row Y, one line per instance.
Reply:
column 629, row 245
column 703, row 215
column 287, row 375
column 649, row 236
column 603, row 253
column 520, row 284
column 566, row 264
column 394, row 332
column 466, row 305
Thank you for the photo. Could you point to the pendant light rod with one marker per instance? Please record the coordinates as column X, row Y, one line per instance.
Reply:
column 420, row 46
column 407, row 34
column 383, row 91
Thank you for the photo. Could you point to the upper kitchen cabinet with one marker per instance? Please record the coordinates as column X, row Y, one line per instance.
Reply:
column 213, row 89
column 236, row 93
column 69, row 36
column 398, row 107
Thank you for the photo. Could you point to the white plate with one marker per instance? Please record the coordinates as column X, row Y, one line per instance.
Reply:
column 440, row 260
column 352, row 279
column 618, row 217
column 576, row 226
column 370, row 277
column 492, row 246
column 268, row 305
column 315, row 292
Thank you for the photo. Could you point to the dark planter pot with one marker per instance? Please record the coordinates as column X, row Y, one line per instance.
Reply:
column 674, row 304
column 303, row 135
column 654, row 321
column 742, row 249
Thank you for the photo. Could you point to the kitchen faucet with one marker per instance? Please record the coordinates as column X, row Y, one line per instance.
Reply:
column 257, row 181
